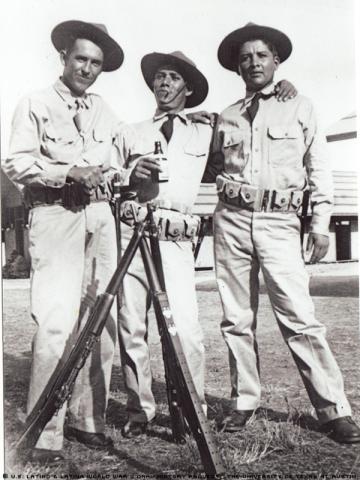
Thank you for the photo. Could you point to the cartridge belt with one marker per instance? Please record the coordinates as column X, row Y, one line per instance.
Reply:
column 71, row 195
column 258, row 199
column 170, row 205
column 172, row 225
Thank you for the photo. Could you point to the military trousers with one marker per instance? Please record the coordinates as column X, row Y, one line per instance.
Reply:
column 73, row 255
column 246, row 242
column 179, row 273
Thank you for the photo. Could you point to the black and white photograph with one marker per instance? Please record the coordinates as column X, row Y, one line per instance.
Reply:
column 179, row 239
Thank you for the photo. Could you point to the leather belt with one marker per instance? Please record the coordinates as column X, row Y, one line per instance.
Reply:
column 172, row 225
column 257, row 199
column 69, row 196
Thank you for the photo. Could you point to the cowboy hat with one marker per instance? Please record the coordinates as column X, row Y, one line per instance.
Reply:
column 229, row 47
column 96, row 33
column 151, row 62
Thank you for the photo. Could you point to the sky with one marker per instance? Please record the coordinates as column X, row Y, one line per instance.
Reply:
column 322, row 64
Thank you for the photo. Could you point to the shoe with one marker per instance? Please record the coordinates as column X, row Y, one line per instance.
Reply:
column 342, row 430
column 46, row 457
column 91, row 440
column 236, row 420
column 133, row 428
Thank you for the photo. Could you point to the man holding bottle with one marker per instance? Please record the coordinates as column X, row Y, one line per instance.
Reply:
column 170, row 180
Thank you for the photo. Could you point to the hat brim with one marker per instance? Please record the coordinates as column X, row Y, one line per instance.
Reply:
column 113, row 53
column 151, row 63
column 229, row 48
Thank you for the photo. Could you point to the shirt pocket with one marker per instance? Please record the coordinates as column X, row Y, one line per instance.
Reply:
column 233, row 149
column 57, row 144
column 285, row 144
column 60, row 136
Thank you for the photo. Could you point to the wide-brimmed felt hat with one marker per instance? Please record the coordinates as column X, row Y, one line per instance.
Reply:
column 96, row 33
column 229, row 48
column 151, row 63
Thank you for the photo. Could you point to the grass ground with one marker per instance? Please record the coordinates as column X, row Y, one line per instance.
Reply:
column 281, row 440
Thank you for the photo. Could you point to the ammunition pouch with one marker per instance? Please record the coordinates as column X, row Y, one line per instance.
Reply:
column 256, row 199
column 172, row 225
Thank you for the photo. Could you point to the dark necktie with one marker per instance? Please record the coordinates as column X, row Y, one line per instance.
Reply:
column 253, row 108
column 168, row 126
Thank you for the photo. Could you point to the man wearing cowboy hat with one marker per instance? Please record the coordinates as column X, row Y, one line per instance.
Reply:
column 269, row 153
column 60, row 154
column 177, row 84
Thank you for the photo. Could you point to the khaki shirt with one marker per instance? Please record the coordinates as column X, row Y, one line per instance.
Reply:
column 187, row 154
column 45, row 142
column 281, row 150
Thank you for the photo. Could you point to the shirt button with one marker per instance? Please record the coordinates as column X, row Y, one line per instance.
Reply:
column 286, row 134
column 256, row 149
column 256, row 129
column 247, row 196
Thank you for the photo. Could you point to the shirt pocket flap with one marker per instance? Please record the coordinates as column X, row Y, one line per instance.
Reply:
column 195, row 150
column 284, row 131
column 232, row 139
column 63, row 136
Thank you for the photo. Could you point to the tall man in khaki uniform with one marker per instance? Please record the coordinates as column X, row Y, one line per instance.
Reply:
column 61, row 155
column 177, row 84
column 269, row 153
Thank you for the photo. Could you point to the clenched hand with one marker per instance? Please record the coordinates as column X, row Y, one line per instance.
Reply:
column 88, row 177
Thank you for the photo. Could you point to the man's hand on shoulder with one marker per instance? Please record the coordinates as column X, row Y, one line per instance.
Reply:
column 88, row 177
column 202, row 116
column 317, row 244
column 285, row 90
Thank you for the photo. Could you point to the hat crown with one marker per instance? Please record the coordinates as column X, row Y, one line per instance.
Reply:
column 181, row 56
column 100, row 26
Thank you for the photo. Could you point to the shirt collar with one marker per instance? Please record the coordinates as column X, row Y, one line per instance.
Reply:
column 65, row 93
column 266, row 91
column 182, row 115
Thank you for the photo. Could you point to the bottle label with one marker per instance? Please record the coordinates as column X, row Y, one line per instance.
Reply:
column 164, row 174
